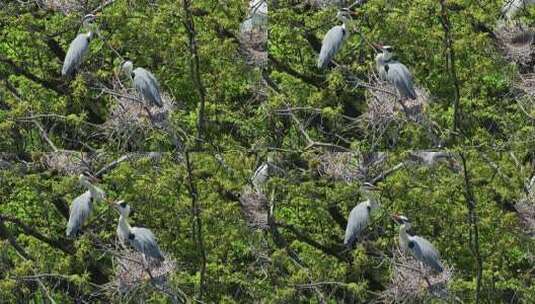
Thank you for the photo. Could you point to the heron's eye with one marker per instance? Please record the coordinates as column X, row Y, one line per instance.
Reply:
column 123, row 205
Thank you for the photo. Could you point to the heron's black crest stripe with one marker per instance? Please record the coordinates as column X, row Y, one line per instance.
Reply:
column 343, row 31
column 369, row 208
column 411, row 244
column 131, row 236
column 123, row 204
column 387, row 67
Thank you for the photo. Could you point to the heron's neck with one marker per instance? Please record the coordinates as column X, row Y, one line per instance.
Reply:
column 123, row 224
column 387, row 57
column 93, row 190
column 403, row 236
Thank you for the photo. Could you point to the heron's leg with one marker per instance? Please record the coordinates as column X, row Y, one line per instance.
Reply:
column 428, row 282
column 149, row 113
column 145, row 262
column 405, row 109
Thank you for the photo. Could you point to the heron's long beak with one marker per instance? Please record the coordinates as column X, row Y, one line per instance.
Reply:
column 371, row 187
column 378, row 47
column 395, row 218
column 115, row 205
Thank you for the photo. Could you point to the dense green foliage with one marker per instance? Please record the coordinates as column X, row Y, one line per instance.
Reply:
column 191, row 192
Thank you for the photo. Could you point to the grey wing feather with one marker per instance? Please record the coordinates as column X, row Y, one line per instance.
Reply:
column 145, row 242
column 147, row 84
column 80, row 210
column 356, row 223
column 399, row 75
column 75, row 54
column 424, row 251
column 332, row 42
column 261, row 175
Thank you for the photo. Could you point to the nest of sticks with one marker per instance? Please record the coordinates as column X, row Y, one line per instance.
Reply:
column 131, row 272
column 384, row 105
column 350, row 166
column 253, row 42
column 323, row 3
column 67, row 162
column 412, row 282
column 255, row 208
column 526, row 209
column 517, row 44
column 131, row 119
column 64, row 6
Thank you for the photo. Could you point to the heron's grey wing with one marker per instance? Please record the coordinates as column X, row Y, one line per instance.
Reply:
column 79, row 212
column 424, row 251
column 147, row 84
column 399, row 75
column 261, row 175
column 332, row 42
column 144, row 241
column 75, row 54
column 356, row 223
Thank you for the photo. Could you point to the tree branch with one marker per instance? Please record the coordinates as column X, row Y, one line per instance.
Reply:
column 61, row 244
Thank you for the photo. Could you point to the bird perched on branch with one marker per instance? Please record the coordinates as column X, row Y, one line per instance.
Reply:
column 144, row 82
column 82, row 206
column 394, row 72
column 334, row 39
column 141, row 239
column 419, row 247
column 359, row 217
column 78, row 47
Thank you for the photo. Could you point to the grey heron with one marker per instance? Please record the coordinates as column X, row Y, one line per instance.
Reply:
column 394, row 72
column 141, row 239
column 334, row 39
column 261, row 174
column 419, row 247
column 144, row 82
column 359, row 217
column 82, row 206
column 78, row 48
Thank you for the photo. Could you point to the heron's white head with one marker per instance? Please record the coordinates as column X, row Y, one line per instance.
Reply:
column 384, row 52
column 370, row 192
column 122, row 207
column 127, row 67
column 402, row 220
column 87, row 24
column 88, row 19
column 87, row 179
column 344, row 15
column 388, row 52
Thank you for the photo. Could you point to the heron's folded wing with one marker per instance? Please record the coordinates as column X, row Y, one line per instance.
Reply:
column 399, row 75
column 79, row 212
column 145, row 241
column 332, row 42
column 77, row 49
column 426, row 252
column 356, row 223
